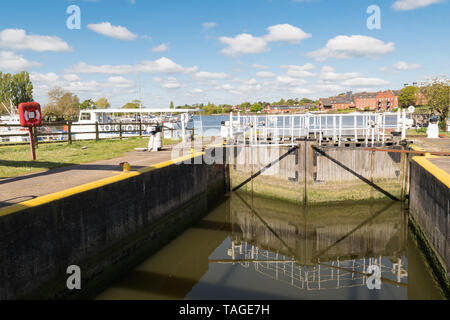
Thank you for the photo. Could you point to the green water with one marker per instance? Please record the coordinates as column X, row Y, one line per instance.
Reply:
column 252, row 248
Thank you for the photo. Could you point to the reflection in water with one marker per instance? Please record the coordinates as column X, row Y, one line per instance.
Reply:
column 332, row 275
column 249, row 248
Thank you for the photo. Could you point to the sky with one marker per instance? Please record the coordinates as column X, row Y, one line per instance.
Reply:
column 223, row 51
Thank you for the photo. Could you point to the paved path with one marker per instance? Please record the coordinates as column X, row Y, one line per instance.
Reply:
column 435, row 145
column 23, row 188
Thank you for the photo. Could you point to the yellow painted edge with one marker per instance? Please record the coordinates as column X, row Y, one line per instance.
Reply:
column 440, row 174
column 170, row 162
column 416, row 148
column 89, row 186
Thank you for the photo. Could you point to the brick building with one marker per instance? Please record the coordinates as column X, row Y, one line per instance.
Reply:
column 344, row 101
column 387, row 100
column 365, row 100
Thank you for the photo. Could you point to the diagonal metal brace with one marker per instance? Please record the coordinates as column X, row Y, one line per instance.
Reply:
column 265, row 168
column 370, row 183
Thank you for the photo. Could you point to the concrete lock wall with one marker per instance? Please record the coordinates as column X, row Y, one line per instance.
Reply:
column 306, row 175
column 430, row 206
column 104, row 231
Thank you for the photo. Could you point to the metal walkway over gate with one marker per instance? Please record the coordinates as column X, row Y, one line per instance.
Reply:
column 286, row 129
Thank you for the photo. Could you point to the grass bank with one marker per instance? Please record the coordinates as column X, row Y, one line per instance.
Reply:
column 16, row 160
column 423, row 132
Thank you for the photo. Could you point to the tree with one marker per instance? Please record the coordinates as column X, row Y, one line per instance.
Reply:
column 437, row 94
column 135, row 104
column 87, row 105
column 171, row 105
column 62, row 105
column 16, row 88
column 245, row 105
column 102, row 103
column 256, row 107
column 306, row 101
column 408, row 96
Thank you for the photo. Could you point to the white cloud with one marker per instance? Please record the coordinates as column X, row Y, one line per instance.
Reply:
column 265, row 74
column 300, row 71
column 117, row 32
column 162, row 65
column 208, row 25
column 13, row 62
column 345, row 47
column 83, row 67
column 17, row 39
column 327, row 69
column 260, row 66
column 71, row 77
column 403, row 5
column 119, row 82
column 211, row 75
column 301, row 91
column 365, row 82
column 172, row 83
column 196, row 91
column 286, row 33
column 334, row 76
column 44, row 77
column 401, row 66
column 248, row 44
column 327, row 87
column 243, row 44
column 161, row 48
column 286, row 80
column 191, row 69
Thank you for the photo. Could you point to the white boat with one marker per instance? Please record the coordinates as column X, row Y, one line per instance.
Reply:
column 10, row 125
column 174, row 122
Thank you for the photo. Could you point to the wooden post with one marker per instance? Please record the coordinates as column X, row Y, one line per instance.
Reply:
column 120, row 130
column 33, row 151
column 97, row 133
column 69, row 129
column 140, row 128
column 35, row 135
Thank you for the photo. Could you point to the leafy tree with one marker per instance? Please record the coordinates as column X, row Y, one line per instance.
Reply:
column 408, row 96
column 437, row 93
column 306, row 101
column 87, row 105
column 102, row 103
column 15, row 88
column 135, row 104
column 245, row 105
column 171, row 105
column 256, row 107
column 62, row 105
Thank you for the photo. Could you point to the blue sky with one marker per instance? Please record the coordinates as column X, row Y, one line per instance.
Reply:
column 229, row 51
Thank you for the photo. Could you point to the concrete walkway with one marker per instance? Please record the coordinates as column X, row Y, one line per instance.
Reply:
column 23, row 188
column 435, row 145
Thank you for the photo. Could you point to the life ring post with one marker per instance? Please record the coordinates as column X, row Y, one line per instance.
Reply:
column 32, row 145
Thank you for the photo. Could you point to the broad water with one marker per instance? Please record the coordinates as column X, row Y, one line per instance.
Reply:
column 253, row 248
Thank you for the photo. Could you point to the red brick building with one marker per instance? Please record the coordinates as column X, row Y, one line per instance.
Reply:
column 387, row 100
column 344, row 101
column 365, row 100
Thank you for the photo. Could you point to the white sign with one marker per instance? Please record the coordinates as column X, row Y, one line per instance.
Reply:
column 411, row 109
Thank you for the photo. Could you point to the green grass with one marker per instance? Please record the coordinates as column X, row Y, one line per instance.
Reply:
column 16, row 160
column 423, row 132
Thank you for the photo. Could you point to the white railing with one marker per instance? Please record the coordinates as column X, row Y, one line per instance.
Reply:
column 322, row 276
column 285, row 129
